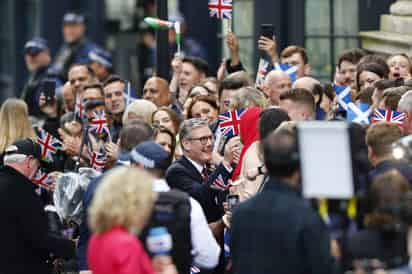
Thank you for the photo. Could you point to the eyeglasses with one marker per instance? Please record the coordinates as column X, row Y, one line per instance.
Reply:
column 203, row 140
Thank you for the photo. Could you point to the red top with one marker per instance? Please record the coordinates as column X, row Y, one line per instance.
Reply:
column 116, row 251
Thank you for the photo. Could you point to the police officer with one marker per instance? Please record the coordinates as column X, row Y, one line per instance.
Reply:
column 101, row 63
column 76, row 47
column 37, row 57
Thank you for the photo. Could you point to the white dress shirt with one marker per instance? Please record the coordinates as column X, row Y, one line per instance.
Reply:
column 205, row 250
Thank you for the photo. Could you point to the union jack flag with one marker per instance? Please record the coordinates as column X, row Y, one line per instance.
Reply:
column 383, row 115
column 43, row 180
column 229, row 122
column 263, row 68
column 221, row 9
column 49, row 145
column 97, row 160
column 98, row 124
column 292, row 71
column 219, row 184
column 79, row 107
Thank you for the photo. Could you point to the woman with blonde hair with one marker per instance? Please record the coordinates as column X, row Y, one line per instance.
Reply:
column 14, row 123
column 120, row 209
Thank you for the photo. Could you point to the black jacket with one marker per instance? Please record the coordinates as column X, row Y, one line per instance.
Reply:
column 24, row 237
column 184, row 176
column 278, row 232
column 404, row 168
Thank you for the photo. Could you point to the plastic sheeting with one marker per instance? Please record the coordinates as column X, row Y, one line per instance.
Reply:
column 69, row 193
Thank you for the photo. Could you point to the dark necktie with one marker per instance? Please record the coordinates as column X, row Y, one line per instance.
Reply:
column 205, row 175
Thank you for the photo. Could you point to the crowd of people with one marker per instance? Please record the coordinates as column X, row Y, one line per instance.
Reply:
column 201, row 174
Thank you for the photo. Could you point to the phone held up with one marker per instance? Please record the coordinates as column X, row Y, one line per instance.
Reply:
column 49, row 90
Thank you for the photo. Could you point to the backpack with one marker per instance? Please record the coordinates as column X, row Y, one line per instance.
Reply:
column 172, row 210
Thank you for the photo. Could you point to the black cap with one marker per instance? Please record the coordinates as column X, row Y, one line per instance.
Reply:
column 35, row 46
column 73, row 18
column 150, row 155
column 26, row 147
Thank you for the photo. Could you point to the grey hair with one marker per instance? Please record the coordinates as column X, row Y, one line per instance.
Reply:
column 188, row 125
column 248, row 97
column 14, row 159
column 405, row 104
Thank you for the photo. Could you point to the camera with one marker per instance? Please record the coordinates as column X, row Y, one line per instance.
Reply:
column 232, row 201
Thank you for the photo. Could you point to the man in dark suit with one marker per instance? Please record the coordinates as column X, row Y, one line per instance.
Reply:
column 190, row 173
column 26, row 243
column 277, row 231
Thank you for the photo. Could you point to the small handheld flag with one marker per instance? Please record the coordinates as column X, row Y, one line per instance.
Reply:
column 178, row 36
column 344, row 95
column 359, row 113
column 221, row 9
column 79, row 107
column 158, row 23
column 98, row 159
column 383, row 115
column 49, row 145
column 44, row 180
column 229, row 122
column 292, row 71
column 263, row 68
column 99, row 125
column 128, row 94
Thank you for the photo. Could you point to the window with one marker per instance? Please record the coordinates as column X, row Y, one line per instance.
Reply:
column 244, row 30
column 331, row 26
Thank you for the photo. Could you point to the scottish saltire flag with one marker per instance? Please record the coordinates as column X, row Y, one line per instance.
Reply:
column 79, row 107
column 263, row 68
column 98, row 159
column 292, row 71
column 129, row 94
column 359, row 113
column 43, row 180
column 229, row 122
column 221, row 9
column 383, row 115
column 49, row 145
column 344, row 95
column 98, row 125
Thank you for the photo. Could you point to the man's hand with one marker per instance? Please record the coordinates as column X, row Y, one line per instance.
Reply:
column 49, row 109
column 112, row 151
column 270, row 47
column 233, row 44
column 232, row 152
column 221, row 71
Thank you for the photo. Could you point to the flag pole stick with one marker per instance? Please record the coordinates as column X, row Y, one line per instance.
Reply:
column 178, row 32
column 227, row 27
column 128, row 93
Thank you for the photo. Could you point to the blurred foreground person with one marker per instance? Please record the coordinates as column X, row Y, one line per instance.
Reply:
column 119, row 210
column 277, row 221
column 26, row 242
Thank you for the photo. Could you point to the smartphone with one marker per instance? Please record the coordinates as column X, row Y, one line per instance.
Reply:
column 267, row 30
column 232, row 201
column 49, row 90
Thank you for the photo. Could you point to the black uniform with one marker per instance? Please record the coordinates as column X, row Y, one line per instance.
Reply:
column 278, row 232
column 25, row 241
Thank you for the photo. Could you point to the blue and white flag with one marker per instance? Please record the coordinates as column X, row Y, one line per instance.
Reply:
column 129, row 94
column 292, row 71
column 344, row 95
column 359, row 113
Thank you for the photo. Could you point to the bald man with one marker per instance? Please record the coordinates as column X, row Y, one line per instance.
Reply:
column 156, row 89
column 306, row 82
column 276, row 83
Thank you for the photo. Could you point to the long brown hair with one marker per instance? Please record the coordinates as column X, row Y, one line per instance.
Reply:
column 14, row 123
